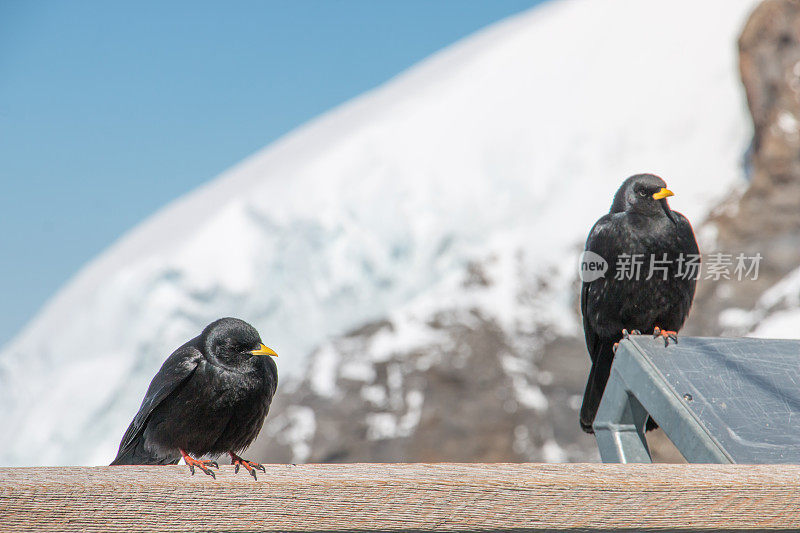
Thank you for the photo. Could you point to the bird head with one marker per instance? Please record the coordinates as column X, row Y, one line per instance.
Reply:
column 231, row 340
column 645, row 194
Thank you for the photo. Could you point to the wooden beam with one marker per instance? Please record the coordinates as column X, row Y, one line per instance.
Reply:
column 392, row 497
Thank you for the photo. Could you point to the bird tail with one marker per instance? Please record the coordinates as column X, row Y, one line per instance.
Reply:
column 136, row 454
column 595, row 385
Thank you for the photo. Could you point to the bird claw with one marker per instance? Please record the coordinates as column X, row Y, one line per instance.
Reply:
column 626, row 334
column 250, row 466
column 665, row 334
column 204, row 465
column 205, row 469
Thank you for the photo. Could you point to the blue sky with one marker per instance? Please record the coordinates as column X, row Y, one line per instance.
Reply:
column 110, row 110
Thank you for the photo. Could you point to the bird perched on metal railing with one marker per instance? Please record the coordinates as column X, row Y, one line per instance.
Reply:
column 210, row 397
column 648, row 286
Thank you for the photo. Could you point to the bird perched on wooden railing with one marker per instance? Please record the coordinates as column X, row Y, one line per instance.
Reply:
column 655, row 299
column 210, row 397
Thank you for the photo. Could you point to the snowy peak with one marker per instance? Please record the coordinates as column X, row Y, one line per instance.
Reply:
column 513, row 139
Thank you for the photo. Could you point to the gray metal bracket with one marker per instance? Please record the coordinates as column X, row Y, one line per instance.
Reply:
column 636, row 388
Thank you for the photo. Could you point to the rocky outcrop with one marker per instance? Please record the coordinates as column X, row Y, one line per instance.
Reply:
column 451, row 385
column 765, row 218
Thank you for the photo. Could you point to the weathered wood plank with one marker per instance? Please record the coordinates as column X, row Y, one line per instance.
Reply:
column 388, row 497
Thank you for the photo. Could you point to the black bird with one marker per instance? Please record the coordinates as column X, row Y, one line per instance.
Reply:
column 639, row 222
column 209, row 397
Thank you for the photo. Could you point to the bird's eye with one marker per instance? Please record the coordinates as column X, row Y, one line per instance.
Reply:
column 642, row 193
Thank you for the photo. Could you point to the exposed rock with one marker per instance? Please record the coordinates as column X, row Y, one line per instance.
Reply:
column 765, row 218
column 464, row 390
column 468, row 396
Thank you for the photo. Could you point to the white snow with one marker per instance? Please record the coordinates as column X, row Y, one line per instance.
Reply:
column 323, row 373
column 381, row 426
column 413, row 414
column 297, row 430
column 358, row 371
column 508, row 144
column 390, row 426
column 374, row 394
column 553, row 453
column 408, row 333
column 735, row 318
column 779, row 325
column 788, row 125
column 777, row 312
column 786, row 292
column 525, row 392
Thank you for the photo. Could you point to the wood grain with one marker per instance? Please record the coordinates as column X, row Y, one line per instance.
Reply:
column 394, row 497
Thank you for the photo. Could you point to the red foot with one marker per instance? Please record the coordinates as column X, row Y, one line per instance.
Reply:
column 250, row 466
column 665, row 334
column 203, row 465
column 625, row 335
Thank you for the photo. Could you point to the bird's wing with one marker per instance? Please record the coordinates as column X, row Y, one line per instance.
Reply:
column 599, row 242
column 173, row 373
column 688, row 244
column 686, row 233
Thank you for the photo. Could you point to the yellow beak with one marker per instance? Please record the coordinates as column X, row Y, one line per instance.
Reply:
column 663, row 193
column 264, row 351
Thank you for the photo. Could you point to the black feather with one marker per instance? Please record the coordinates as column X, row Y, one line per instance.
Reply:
column 209, row 397
column 636, row 224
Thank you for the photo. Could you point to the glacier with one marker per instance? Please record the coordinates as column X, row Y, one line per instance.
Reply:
column 514, row 138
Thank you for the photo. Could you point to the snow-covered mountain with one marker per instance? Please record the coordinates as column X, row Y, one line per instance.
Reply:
column 499, row 151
